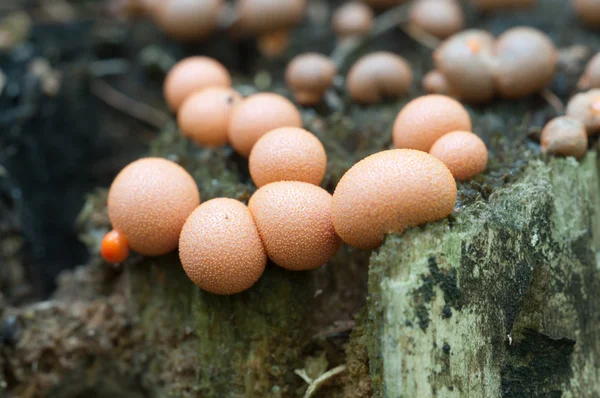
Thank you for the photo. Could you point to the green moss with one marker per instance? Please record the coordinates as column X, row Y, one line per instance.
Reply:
column 218, row 172
column 221, row 345
column 357, row 379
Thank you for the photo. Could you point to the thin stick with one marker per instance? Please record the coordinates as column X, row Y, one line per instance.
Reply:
column 383, row 23
column 3, row 81
column 109, row 67
column 334, row 101
column 553, row 100
column 136, row 109
column 303, row 375
column 421, row 37
column 319, row 381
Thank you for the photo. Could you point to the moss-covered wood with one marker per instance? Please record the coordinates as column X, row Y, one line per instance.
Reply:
column 503, row 300
column 246, row 345
column 499, row 300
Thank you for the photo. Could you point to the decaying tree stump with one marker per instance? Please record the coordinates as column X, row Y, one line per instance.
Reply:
column 502, row 299
column 499, row 300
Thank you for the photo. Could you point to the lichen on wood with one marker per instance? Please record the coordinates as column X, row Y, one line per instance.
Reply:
column 498, row 302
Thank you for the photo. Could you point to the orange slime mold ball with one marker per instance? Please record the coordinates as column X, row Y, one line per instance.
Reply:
column 425, row 119
column 463, row 152
column 220, row 247
column 115, row 247
column 149, row 201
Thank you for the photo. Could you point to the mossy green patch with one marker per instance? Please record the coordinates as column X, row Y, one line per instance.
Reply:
column 242, row 344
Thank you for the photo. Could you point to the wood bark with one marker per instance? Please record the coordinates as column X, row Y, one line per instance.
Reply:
column 503, row 300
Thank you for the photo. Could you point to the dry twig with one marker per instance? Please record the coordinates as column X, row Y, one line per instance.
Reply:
column 553, row 100
column 136, row 109
column 421, row 36
column 319, row 381
column 385, row 22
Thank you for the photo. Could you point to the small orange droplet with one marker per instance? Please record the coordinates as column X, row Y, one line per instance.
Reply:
column 273, row 44
column 115, row 247
column 474, row 45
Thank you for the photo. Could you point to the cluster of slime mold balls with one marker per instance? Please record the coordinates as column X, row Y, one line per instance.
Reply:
column 224, row 245
column 154, row 204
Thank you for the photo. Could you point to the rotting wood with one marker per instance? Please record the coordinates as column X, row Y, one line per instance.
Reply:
column 500, row 302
